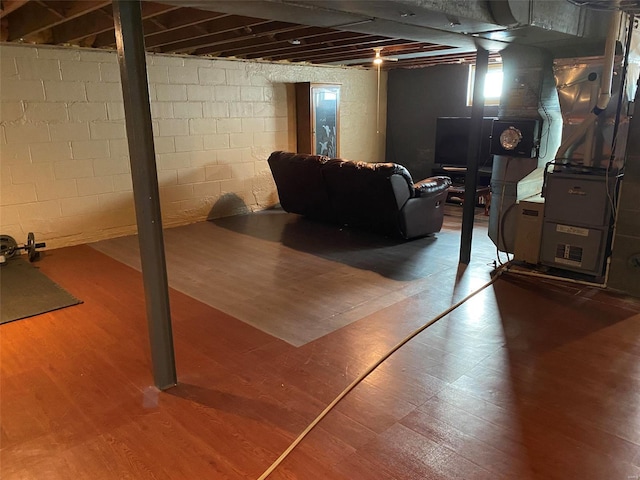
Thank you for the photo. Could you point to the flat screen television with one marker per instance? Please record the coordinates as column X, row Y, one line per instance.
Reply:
column 452, row 141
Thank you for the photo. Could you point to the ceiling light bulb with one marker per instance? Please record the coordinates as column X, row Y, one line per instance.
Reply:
column 377, row 60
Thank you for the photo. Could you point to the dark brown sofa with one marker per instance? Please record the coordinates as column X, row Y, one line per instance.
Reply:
column 373, row 196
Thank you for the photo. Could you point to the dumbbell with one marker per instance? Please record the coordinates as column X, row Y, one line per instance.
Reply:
column 9, row 247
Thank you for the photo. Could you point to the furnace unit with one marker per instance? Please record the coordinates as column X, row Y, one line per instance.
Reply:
column 578, row 218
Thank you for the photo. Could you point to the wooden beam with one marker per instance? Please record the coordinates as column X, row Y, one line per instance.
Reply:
column 89, row 24
column 54, row 8
column 284, row 50
column 101, row 21
column 135, row 92
column 431, row 60
column 352, row 55
column 150, row 14
column 34, row 17
column 181, row 18
column 358, row 50
column 215, row 42
column 313, row 45
column 272, row 40
column 187, row 37
column 9, row 6
column 185, row 17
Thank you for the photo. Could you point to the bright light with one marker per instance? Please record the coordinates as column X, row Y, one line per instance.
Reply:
column 493, row 84
column 378, row 58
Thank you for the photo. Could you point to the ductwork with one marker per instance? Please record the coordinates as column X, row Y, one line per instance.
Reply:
column 561, row 17
column 492, row 24
column 604, row 96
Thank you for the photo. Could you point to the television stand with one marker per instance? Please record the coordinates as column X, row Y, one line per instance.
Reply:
column 458, row 174
column 483, row 196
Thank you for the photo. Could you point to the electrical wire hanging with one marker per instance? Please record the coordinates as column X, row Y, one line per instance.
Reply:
column 378, row 100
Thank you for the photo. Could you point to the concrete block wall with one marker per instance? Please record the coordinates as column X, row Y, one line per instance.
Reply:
column 64, row 164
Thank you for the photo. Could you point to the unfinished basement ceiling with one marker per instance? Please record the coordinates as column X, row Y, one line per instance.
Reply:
column 416, row 33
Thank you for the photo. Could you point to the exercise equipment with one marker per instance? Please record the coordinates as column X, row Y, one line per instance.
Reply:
column 9, row 247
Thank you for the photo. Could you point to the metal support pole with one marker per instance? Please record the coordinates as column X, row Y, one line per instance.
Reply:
column 475, row 137
column 135, row 91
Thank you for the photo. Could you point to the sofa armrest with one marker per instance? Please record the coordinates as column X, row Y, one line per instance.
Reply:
column 423, row 215
column 431, row 186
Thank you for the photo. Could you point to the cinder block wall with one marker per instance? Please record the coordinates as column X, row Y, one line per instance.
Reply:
column 64, row 161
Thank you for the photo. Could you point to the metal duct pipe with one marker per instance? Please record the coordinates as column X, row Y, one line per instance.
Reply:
column 605, row 88
column 576, row 135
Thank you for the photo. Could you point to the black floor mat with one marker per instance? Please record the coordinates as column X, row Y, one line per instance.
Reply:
column 25, row 292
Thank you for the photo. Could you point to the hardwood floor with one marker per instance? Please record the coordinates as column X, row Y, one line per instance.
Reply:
column 530, row 379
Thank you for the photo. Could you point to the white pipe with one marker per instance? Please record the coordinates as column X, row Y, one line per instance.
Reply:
column 528, row 273
column 609, row 57
column 605, row 88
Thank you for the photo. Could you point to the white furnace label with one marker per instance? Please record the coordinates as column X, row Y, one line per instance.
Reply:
column 583, row 232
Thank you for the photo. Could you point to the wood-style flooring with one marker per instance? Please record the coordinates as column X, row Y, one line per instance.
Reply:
column 297, row 279
column 530, row 379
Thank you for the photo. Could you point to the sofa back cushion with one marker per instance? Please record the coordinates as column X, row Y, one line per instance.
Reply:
column 363, row 195
column 300, row 184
